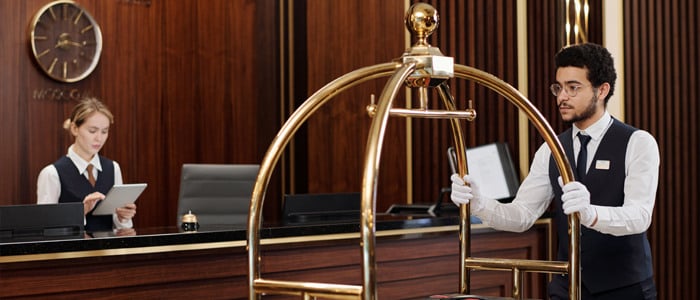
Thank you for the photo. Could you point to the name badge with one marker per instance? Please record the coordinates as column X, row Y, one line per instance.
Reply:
column 602, row 165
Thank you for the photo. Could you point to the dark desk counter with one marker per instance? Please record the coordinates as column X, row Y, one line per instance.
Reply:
column 12, row 248
column 415, row 256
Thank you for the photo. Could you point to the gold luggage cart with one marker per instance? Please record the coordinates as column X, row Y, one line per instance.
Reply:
column 421, row 67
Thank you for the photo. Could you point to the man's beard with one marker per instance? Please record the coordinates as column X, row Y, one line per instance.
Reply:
column 586, row 114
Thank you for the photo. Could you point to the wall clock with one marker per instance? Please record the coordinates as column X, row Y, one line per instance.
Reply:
column 66, row 41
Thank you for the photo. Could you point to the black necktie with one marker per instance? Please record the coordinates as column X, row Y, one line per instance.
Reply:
column 582, row 155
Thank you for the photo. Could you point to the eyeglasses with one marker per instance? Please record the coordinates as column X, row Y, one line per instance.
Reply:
column 570, row 89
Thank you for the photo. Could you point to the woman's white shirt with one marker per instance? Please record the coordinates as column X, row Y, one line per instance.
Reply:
column 49, row 185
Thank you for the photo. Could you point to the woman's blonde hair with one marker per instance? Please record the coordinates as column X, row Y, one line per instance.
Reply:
column 84, row 109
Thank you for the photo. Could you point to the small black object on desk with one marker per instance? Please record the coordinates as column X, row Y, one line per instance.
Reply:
column 189, row 222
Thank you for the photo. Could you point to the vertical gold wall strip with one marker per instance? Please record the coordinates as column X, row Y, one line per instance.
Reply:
column 288, row 53
column 613, row 39
column 523, row 124
column 286, row 93
column 409, row 125
column 283, row 85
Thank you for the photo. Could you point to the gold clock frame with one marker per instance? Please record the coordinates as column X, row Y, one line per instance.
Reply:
column 63, row 41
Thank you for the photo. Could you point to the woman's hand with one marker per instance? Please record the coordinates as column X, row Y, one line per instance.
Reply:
column 125, row 232
column 90, row 201
column 127, row 212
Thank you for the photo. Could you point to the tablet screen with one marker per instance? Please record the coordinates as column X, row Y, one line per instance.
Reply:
column 118, row 196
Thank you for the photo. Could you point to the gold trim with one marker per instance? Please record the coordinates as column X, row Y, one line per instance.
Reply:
column 286, row 93
column 217, row 245
column 613, row 40
column 283, row 84
column 241, row 243
column 120, row 251
column 523, row 86
column 289, row 52
column 356, row 235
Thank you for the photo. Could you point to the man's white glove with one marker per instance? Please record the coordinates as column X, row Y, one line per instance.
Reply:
column 466, row 191
column 576, row 198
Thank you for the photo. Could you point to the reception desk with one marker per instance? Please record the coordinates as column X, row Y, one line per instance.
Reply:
column 416, row 257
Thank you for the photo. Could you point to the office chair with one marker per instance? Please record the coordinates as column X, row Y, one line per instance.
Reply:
column 218, row 194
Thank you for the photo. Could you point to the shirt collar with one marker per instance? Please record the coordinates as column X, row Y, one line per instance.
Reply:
column 596, row 130
column 80, row 163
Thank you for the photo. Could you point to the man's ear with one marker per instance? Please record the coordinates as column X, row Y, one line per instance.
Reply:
column 603, row 91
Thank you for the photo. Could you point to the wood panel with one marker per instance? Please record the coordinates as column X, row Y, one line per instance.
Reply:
column 544, row 40
column 661, row 70
column 479, row 34
column 408, row 267
column 11, row 105
column 341, row 37
column 183, row 79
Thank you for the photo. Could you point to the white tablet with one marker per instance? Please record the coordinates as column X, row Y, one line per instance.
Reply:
column 118, row 196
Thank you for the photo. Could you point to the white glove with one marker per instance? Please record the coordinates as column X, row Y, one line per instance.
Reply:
column 576, row 198
column 466, row 193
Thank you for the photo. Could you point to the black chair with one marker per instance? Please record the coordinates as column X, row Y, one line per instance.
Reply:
column 218, row 194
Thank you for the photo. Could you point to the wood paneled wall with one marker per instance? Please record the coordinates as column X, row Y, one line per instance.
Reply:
column 188, row 82
column 340, row 37
column 662, row 94
column 479, row 34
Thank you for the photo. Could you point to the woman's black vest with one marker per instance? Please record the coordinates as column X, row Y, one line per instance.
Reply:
column 74, row 188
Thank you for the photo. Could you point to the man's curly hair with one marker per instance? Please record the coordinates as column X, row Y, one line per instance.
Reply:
column 594, row 58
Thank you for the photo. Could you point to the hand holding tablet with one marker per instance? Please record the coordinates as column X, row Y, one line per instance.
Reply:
column 118, row 196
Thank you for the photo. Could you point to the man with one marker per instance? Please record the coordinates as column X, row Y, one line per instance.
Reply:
column 614, row 194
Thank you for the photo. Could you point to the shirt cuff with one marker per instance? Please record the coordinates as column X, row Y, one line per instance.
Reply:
column 601, row 216
column 119, row 225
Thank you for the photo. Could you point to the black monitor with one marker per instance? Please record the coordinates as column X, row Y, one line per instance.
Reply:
column 41, row 220
column 323, row 208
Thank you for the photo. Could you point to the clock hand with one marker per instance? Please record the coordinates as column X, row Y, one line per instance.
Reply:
column 60, row 44
column 74, row 43
column 64, row 43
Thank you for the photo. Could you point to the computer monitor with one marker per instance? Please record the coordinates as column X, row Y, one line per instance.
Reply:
column 41, row 220
column 327, row 207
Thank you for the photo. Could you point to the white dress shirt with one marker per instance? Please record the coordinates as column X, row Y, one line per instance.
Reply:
column 535, row 193
column 48, row 188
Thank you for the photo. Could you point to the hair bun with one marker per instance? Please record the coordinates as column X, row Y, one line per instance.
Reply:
column 66, row 124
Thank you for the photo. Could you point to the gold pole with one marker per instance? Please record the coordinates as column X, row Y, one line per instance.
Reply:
column 369, row 179
column 464, row 210
column 517, row 283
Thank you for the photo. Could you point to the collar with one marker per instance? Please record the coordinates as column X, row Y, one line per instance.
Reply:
column 596, row 130
column 81, row 164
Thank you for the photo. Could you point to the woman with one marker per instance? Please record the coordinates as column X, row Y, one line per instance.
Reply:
column 82, row 175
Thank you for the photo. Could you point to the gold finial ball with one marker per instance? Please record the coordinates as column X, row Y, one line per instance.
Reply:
column 422, row 19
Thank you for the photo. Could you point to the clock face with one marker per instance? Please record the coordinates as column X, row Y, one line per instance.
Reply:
column 66, row 41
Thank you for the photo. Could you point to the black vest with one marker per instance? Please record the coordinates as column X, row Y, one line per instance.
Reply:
column 607, row 261
column 74, row 188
